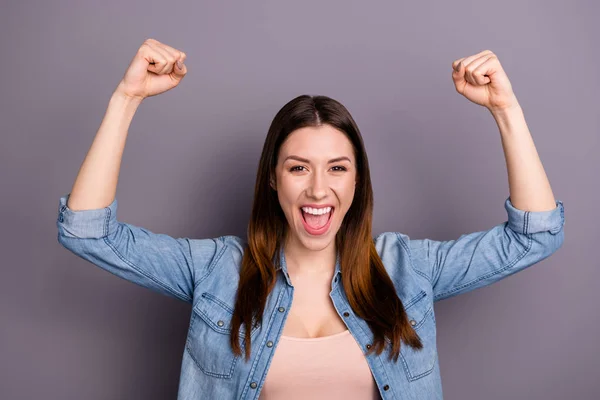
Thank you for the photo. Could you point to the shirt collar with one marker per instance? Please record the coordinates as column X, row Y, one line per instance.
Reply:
column 283, row 266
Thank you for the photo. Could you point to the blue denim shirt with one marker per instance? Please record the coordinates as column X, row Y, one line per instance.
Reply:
column 205, row 273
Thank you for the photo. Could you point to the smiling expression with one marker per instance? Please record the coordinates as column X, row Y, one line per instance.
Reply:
column 315, row 166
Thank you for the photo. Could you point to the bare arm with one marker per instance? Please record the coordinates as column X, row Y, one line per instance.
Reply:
column 87, row 216
column 528, row 184
column 152, row 71
column 96, row 183
column 482, row 79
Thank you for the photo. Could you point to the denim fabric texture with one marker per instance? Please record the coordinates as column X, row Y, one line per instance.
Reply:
column 205, row 273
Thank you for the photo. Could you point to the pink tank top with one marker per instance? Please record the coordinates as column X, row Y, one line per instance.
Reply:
column 329, row 367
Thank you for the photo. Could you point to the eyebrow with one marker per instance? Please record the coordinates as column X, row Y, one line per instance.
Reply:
column 333, row 160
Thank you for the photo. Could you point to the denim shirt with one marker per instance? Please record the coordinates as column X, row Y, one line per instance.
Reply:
column 205, row 273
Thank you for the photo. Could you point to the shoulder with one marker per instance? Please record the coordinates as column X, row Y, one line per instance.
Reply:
column 217, row 263
column 234, row 243
column 402, row 256
column 216, row 244
column 389, row 244
column 398, row 244
column 209, row 252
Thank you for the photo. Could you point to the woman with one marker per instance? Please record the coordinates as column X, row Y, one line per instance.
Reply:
column 331, row 311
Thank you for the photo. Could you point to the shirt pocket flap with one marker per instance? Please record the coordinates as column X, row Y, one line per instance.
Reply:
column 421, row 362
column 416, row 309
column 217, row 314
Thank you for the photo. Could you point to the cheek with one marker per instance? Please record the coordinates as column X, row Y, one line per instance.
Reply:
column 287, row 199
column 345, row 190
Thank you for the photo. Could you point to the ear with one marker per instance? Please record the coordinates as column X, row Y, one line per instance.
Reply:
column 273, row 184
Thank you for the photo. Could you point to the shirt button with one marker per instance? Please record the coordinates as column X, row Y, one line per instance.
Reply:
column 269, row 344
column 220, row 323
column 346, row 314
column 413, row 322
column 386, row 387
column 281, row 309
column 253, row 385
column 368, row 346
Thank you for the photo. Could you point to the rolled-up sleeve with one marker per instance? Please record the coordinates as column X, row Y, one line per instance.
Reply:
column 159, row 262
column 481, row 258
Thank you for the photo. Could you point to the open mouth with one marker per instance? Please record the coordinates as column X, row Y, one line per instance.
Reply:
column 316, row 225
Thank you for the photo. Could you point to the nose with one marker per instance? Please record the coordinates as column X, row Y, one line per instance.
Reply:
column 317, row 186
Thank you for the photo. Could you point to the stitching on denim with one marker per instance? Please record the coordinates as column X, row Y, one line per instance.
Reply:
column 212, row 264
column 406, row 248
column 527, row 216
column 211, row 323
column 412, row 377
column 152, row 278
column 443, row 294
column 106, row 222
column 258, row 355
column 422, row 321
column 191, row 354
column 416, row 298
column 189, row 249
column 270, row 326
column 220, row 302
column 366, row 334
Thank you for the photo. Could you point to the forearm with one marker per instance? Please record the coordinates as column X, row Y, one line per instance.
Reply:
column 96, row 183
column 528, row 184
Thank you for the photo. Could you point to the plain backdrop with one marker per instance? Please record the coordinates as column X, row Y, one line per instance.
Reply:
column 69, row 330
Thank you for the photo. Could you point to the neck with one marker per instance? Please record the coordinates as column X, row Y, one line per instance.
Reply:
column 303, row 261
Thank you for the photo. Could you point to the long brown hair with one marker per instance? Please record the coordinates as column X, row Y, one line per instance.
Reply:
column 368, row 287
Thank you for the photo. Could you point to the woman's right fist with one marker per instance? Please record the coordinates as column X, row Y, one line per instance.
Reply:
column 154, row 69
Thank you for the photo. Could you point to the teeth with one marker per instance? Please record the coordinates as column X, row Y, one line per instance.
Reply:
column 316, row 211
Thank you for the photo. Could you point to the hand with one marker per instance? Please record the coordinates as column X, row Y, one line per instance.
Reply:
column 481, row 79
column 153, row 70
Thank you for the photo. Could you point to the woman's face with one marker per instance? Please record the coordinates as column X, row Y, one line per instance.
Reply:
column 316, row 168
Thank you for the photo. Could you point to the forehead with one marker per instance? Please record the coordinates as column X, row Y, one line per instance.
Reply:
column 322, row 142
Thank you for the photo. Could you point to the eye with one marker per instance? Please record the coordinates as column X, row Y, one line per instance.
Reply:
column 341, row 168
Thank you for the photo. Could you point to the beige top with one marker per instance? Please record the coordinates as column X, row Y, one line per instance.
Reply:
column 329, row 367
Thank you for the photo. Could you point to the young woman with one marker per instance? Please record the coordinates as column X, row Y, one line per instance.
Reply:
column 310, row 306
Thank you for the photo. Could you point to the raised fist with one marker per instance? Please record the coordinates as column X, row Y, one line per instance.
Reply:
column 155, row 68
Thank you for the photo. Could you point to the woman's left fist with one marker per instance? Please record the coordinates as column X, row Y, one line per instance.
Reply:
column 481, row 79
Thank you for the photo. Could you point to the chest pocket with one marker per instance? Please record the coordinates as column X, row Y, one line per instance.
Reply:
column 419, row 363
column 208, row 337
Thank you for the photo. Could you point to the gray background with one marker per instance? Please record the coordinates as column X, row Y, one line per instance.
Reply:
column 72, row 331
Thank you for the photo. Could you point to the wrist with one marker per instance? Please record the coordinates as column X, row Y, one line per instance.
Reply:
column 121, row 95
column 502, row 113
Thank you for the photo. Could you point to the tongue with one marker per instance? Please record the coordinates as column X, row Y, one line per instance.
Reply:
column 315, row 221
